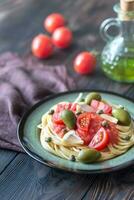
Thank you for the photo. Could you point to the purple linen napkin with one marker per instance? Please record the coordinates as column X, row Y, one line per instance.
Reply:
column 23, row 82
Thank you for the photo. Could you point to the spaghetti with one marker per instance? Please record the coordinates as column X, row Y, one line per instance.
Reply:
column 95, row 128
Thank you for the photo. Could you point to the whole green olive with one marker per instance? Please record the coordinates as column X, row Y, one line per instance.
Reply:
column 91, row 96
column 88, row 155
column 122, row 115
column 68, row 118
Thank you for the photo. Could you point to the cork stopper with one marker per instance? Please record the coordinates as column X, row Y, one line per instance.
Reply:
column 127, row 5
column 126, row 10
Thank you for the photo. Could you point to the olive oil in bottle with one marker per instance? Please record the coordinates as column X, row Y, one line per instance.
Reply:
column 118, row 55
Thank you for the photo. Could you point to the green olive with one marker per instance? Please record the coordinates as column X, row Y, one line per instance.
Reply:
column 68, row 118
column 88, row 155
column 122, row 115
column 91, row 96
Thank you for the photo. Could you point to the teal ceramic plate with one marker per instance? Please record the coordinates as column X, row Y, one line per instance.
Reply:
column 29, row 137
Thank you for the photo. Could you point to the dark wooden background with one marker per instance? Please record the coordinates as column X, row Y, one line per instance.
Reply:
column 22, row 178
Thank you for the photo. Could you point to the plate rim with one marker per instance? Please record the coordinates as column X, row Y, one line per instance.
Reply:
column 45, row 162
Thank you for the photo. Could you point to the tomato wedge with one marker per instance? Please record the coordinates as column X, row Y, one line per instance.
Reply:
column 83, row 121
column 59, row 129
column 59, row 107
column 66, row 106
column 100, row 140
column 73, row 107
column 85, row 136
column 56, row 118
column 99, row 105
column 95, row 103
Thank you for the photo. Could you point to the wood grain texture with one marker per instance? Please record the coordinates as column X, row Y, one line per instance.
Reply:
column 6, row 158
column 22, row 178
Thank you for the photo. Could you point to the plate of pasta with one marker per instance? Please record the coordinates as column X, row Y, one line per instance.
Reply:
column 80, row 131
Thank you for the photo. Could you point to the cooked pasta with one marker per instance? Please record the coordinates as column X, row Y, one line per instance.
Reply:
column 68, row 143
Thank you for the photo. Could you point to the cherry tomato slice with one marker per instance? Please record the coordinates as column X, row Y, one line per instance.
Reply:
column 94, row 127
column 66, row 106
column 56, row 119
column 60, row 107
column 73, row 107
column 105, row 107
column 59, row 129
column 98, row 105
column 85, row 136
column 95, row 103
column 83, row 121
column 100, row 140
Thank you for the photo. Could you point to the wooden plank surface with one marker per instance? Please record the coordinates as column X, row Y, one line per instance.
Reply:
column 22, row 178
column 6, row 158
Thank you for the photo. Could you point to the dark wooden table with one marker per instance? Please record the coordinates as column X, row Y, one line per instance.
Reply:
column 21, row 177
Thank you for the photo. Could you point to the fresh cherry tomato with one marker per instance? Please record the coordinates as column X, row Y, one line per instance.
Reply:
column 62, row 37
column 85, row 63
column 42, row 46
column 99, row 105
column 100, row 140
column 83, row 121
column 57, row 119
column 54, row 21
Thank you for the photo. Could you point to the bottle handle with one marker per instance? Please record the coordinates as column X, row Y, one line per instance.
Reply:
column 106, row 24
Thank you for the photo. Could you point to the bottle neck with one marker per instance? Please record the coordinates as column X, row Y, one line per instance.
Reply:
column 126, row 19
column 127, row 30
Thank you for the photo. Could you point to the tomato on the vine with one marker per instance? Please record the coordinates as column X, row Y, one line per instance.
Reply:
column 54, row 21
column 42, row 46
column 85, row 63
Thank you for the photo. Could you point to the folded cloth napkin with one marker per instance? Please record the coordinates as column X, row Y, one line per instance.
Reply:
column 23, row 82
